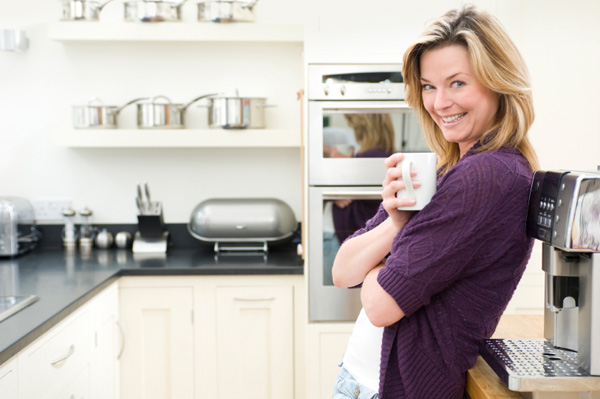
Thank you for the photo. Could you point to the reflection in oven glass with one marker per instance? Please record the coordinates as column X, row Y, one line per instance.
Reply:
column 341, row 218
column 370, row 135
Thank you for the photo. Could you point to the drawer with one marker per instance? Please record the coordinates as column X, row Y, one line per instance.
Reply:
column 56, row 358
column 77, row 388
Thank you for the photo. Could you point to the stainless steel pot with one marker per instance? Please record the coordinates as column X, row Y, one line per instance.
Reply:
column 95, row 115
column 237, row 112
column 226, row 11
column 153, row 11
column 163, row 115
column 81, row 10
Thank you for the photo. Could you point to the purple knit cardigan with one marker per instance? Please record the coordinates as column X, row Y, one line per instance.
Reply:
column 452, row 269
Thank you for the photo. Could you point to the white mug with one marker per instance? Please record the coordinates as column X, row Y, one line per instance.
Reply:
column 425, row 163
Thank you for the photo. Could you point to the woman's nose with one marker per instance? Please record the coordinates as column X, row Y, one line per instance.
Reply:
column 442, row 100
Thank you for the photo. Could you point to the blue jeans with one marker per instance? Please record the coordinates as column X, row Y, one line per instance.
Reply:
column 347, row 387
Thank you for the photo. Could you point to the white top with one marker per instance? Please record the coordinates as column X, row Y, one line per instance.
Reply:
column 363, row 355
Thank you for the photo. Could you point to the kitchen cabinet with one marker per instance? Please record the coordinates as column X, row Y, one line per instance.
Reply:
column 51, row 363
column 157, row 360
column 106, row 345
column 59, row 363
column 8, row 379
column 247, row 338
column 255, row 333
column 326, row 345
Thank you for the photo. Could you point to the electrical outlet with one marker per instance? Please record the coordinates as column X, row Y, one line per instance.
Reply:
column 50, row 209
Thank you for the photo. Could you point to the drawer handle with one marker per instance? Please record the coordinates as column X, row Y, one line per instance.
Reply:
column 269, row 298
column 59, row 362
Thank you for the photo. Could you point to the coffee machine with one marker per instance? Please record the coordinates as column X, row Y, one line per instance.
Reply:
column 563, row 213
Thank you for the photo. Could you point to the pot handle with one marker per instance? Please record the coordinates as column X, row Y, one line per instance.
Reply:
column 161, row 96
column 196, row 99
column 95, row 100
column 177, row 5
column 102, row 5
column 250, row 5
column 128, row 103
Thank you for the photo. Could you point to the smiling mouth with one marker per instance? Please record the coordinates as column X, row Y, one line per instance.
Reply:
column 453, row 118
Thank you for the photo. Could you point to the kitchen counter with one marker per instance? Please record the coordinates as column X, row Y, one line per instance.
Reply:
column 482, row 381
column 64, row 281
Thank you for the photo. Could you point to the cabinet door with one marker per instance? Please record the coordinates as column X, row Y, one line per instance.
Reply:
column 326, row 346
column 106, row 345
column 255, row 342
column 157, row 359
column 8, row 380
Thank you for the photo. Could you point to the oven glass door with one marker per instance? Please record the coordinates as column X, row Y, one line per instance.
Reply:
column 348, row 140
column 335, row 213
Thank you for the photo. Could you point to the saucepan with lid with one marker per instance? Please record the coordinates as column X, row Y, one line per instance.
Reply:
column 81, row 10
column 96, row 115
column 161, row 113
column 235, row 112
column 226, row 11
column 153, row 11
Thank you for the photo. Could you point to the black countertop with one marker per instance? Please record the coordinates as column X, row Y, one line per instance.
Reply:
column 64, row 281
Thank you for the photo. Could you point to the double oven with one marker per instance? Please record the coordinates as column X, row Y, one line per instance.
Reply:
column 357, row 117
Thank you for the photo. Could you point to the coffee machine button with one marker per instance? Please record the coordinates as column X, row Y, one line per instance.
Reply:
column 559, row 203
column 557, row 218
column 554, row 234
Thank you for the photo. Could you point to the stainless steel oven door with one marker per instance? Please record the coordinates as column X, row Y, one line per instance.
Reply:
column 328, row 227
column 345, row 140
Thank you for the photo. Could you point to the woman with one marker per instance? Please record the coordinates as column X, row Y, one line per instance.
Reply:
column 439, row 280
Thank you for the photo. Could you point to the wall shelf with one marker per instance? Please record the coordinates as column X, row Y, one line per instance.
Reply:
column 176, row 138
column 82, row 31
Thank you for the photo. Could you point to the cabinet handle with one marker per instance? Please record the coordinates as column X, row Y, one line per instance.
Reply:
column 269, row 298
column 59, row 362
column 122, row 335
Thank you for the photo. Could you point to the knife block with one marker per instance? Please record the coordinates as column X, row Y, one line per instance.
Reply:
column 151, row 226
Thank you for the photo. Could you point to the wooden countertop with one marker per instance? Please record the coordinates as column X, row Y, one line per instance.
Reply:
column 482, row 381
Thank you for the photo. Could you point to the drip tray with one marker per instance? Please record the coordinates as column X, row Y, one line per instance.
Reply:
column 531, row 365
column 9, row 305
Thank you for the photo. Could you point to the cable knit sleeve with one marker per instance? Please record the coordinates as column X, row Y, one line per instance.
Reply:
column 478, row 204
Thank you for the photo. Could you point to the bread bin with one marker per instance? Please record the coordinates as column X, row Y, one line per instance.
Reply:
column 18, row 232
column 242, row 221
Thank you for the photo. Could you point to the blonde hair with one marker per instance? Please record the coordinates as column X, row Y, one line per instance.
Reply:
column 372, row 131
column 497, row 64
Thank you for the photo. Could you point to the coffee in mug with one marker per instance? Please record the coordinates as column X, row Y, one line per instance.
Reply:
column 425, row 163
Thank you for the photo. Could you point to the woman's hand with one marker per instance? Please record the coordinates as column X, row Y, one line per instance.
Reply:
column 391, row 185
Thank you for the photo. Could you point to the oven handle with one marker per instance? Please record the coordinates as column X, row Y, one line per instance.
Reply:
column 333, row 195
column 360, row 106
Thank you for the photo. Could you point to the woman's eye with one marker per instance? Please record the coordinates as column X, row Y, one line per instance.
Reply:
column 457, row 84
column 427, row 87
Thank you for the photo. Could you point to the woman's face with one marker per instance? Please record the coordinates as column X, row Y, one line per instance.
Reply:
column 461, row 106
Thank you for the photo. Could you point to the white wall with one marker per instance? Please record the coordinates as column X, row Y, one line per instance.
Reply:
column 38, row 88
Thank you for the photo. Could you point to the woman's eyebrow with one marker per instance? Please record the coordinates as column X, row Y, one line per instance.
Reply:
column 448, row 78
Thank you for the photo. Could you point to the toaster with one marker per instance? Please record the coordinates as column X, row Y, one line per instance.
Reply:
column 564, row 209
column 18, row 231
